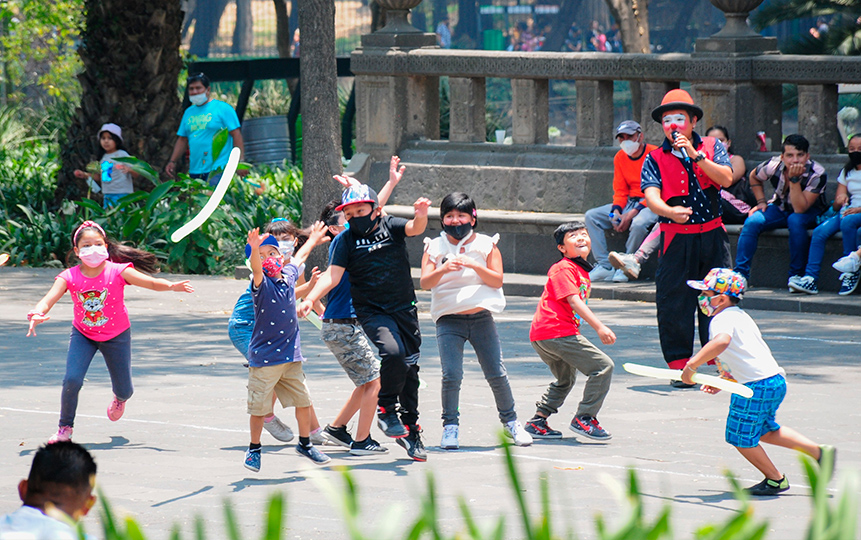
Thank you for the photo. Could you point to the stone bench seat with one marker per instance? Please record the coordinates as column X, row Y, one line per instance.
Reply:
column 527, row 245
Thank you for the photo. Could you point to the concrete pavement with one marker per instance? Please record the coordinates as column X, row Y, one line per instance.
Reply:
column 178, row 451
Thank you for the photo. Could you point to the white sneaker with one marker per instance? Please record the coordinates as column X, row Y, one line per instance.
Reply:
column 620, row 277
column 514, row 430
column 626, row 262
column 279, row 429
column 599, row 273
column 318, row 438
column 449, row 437
column 848, row 264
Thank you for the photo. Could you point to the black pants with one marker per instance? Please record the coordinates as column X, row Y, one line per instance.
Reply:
column 689, row 256
column 398, row 338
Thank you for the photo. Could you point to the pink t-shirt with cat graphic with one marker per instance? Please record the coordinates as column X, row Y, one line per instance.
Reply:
column 100, row 312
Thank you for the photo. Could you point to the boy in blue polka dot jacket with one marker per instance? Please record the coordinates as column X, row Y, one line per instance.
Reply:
column 274, row 354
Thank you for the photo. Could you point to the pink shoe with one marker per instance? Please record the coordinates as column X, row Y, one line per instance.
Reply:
column 116, row 409
column 63, row 434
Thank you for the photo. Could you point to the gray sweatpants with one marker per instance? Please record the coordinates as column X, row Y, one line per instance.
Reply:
column 566, row 356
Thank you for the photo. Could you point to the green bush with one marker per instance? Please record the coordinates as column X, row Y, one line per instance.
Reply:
column 36, row 233
column 827, row 523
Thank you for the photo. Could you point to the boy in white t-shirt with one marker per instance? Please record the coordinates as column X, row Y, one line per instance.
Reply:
column 745, row 358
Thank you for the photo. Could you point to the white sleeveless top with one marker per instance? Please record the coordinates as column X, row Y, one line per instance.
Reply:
column 463, row 290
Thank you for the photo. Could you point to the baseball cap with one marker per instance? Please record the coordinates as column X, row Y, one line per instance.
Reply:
column 721, row 281
column 628, row 127
column 111, row 128
column 268, row 241
column 359, row 193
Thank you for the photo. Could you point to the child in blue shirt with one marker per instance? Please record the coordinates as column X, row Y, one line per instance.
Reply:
column 274, row 354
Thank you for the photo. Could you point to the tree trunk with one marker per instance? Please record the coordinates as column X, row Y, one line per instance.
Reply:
column 206, row 15
column 562, row 22
column 282, row 28
column 243, row 34
column 321, row 154
column 130, row 78
column 633, row 20
column 467, row 21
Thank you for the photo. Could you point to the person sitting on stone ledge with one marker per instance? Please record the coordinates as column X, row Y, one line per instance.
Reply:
column 799, row 198
column 628, row 211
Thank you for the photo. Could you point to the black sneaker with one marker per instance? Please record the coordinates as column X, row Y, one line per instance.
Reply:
column 768, row 488
column 412, row 443
column 368, row 447
column 313, row 454
column 390, row 424
column 681, row 384
column 338, row 435
column 539, row 429
column 588, row 426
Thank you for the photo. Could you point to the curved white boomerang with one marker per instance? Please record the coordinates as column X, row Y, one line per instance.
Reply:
column 676, row 375
column 213, row 201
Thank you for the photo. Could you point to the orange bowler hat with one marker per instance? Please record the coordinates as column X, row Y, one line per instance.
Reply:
column 677, row 99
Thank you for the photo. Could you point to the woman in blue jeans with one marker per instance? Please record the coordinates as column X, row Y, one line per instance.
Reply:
column 847, row 203
column 463, row 270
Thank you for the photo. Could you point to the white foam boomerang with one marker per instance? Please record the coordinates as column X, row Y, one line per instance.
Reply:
column 676, row 375
column 214, row 200
column 314, row 319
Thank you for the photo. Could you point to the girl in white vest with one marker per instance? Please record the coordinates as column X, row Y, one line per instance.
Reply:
column 463, row 270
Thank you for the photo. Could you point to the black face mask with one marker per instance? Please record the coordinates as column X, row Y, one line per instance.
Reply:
column 582, row 263
column 458, row 232
column 363, row 225
column 855, row 158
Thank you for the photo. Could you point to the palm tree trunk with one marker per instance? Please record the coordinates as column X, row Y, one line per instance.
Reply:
column 130, row 78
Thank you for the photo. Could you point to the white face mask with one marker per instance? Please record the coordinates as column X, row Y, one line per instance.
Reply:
column 198, row 99
column 93, row 256
column 630, row 147
column 286, row 248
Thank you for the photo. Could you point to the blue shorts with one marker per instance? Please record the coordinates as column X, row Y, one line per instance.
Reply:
column 750, row 419
column 112, row 199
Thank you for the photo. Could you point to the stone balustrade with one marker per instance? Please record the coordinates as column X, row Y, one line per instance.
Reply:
column 742, row 92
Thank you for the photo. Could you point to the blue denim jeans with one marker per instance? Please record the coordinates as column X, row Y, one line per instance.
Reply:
column 848, row 225
column 452, row 331
column 768, row 220
column 118, row 358
column 598, row 221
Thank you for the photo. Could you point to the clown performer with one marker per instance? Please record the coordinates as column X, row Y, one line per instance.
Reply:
column 682, row 180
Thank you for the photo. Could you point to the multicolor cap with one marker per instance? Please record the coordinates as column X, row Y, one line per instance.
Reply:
column 721, row 281
column 360, row 193
column 268, row 241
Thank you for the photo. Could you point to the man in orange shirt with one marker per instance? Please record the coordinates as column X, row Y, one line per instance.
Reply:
column 628, row 211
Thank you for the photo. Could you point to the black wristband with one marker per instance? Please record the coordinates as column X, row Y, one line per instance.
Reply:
column 795, row 179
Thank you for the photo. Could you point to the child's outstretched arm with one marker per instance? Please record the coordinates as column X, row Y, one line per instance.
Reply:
column 328, row 280
column 40, row 312
column 710, row 351
column 580, row 308
column 395, row 175
column 254, row 240
column 419, row 223
column 133, row 277
column 318, row 236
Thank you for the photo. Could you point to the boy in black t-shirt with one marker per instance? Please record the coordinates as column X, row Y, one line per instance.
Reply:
column 373, row 251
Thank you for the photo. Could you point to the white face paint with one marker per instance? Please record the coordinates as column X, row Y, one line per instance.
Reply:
column 678, row 119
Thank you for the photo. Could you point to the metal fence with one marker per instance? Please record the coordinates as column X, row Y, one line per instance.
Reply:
column 352, row 19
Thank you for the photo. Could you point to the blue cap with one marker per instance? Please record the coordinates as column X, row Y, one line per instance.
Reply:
column 268, row 241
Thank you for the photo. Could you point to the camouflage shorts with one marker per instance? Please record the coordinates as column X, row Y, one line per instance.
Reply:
column 351, row 347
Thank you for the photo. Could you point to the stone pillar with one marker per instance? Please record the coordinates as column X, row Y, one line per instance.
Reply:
column 767, row 117
column 423, row 108
column 651, row 94
column 595, row 113
column 467, row 109
column 817, row 117
column 531, row 110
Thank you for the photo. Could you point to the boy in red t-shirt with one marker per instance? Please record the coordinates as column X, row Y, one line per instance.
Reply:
column 555, row 335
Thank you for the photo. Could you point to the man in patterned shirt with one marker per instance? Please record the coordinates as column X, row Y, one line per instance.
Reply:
column 681, row 180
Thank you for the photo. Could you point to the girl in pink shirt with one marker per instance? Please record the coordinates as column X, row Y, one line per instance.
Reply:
column 101, row 321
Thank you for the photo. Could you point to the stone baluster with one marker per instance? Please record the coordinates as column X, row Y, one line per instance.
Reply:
column 467, row 109
column 531, row 111
column 595, row 113
column 817, row 113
